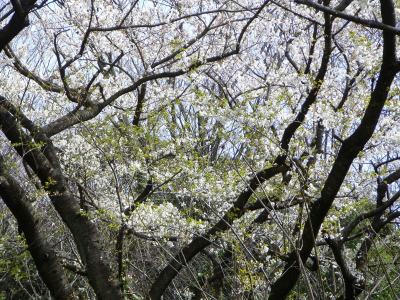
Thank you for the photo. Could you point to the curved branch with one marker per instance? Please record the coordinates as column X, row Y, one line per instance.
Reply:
column 187, row 253
column 17, row 22
column 349, row 150
column 44, row 256
column 45, row 164
column 368, row 23
column 352, row 287
column 80, row 115
column 312, row 96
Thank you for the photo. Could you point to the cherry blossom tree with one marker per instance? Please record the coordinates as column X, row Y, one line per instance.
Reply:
column 199, row 149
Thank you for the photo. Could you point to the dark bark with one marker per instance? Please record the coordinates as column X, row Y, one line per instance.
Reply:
column 372, row 233
column 335, row 13
column 141, row 198
column 187, row 253
column 352, row 287
column 17, row 23
column 119, row 249
column 139, row 105
column 349, row 150
column 312, row 96
column 45, row 164
column 44, row 256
